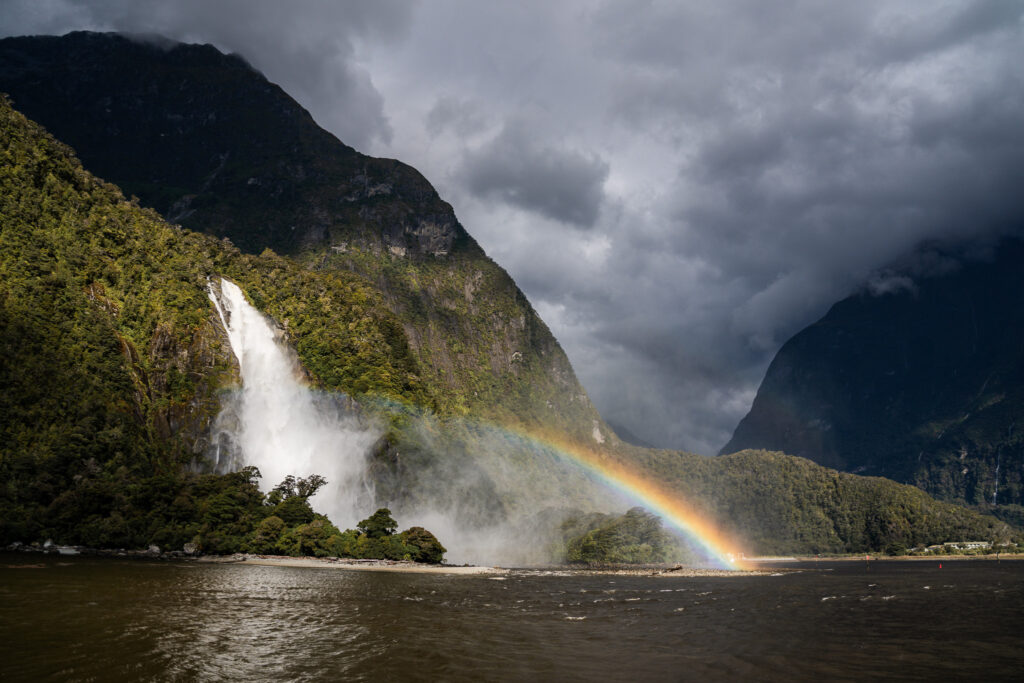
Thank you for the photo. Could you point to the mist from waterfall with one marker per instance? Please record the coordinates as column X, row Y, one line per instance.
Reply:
column 280, row 425
column 489, row 496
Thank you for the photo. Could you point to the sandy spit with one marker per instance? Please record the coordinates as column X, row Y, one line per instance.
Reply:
column 349, row 564
column 685, row 572
column 418, row 568
column 645, row 570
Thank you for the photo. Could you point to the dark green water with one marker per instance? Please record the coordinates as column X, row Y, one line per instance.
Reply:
column 103, row 619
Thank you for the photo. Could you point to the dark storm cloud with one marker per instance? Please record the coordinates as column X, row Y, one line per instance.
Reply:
column 462, row 117
column 559, row 183
column 308, row 47
column 814, row 146
column 907, row 37
column 813, row 158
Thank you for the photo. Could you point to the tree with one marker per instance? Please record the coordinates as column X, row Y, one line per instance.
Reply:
column 294, row 510
column 284, row 490
column 307, row 488
column 266, row 535
column 634, row 538
column 378, row 525
column 426, row 547
column 299, row 487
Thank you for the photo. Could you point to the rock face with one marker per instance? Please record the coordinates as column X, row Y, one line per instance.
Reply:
column 924, row 385
column 207, row 141
column 211, row 144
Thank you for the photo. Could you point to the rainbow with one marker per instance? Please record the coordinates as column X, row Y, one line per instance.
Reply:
column 691, row 522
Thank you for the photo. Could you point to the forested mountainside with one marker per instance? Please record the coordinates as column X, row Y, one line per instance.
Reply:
column 783, row 504
column 924, row 384
column 211, row 144
column 115, row 362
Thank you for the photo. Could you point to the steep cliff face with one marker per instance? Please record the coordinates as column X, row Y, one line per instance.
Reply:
column 207, row 141
column 924, row 385
column 211, row 144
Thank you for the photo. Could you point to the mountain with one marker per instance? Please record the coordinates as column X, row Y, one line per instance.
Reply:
column 117, row 364
column 211, row 144
column 922, row 383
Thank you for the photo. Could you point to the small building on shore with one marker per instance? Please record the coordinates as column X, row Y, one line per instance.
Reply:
column 958, row 545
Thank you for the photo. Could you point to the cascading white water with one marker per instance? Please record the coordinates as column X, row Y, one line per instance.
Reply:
column 283, row 427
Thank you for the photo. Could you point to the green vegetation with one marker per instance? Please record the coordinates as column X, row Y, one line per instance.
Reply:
column 290, row 527
column 633, row 538
column 314, row 535
column 210, row 143
column 218, row 514
column 475, row 336
column 113, row 357
column 778, row 503
column 344, row 336
column 769, row 503
column 375, row 537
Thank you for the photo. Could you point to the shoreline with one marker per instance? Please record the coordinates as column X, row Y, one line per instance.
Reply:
column 810, row 559
column 349, row 564
column 677, row 571
column 752, row 566
column 408, row 567
column 477, row 570
column 155, row 555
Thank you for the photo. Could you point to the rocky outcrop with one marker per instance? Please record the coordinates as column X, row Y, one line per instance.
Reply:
column 206, row 140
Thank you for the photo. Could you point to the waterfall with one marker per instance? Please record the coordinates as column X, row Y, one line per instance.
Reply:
column 995, row 491
column 283, row 427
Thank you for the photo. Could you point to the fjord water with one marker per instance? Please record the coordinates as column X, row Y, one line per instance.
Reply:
column 105, row 619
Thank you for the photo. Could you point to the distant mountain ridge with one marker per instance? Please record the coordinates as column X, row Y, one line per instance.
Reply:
column 924, row 384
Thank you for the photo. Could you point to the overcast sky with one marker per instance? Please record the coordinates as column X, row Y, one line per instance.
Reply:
column 678, row 187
